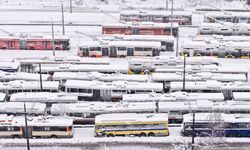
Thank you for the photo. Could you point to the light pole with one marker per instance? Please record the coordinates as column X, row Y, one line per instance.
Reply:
column 63, row 21
column 70, row 6
column 193, row 132
column 26, row 128
column 53, row 38
column 40, row 72
column 172, row 17
column 184, row 73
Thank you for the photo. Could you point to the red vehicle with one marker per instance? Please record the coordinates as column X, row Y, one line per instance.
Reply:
column 34, row 43
column 141, row 28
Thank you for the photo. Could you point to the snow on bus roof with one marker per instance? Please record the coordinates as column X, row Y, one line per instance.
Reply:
column 43, row 97
column 18, row 107
column 142, row 25
column 152, row 44
column 131, row 117
column 49, row 37
column 228, row 14
column 28, row 85
column 115, row 85
column 99, row 76
column 22, row 76
column 102, row 107
column 7, row 65
column 9, row 37
column 42, row 121
column 200, row 76
column 224, row 25
column 175, row 96
column 83, row 68
column 149, row 37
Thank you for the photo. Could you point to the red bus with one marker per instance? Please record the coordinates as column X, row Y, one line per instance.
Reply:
column 141, row 28
column 34, row 43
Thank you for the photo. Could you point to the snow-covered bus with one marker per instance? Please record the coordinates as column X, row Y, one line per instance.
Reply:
column 147, row 65
column 43, row 97
column 120, row 49
column 63, row 76
column 219, row 49
column 181, row 17
column 51, row 68
column 211, row 86
column 28, row 86
column 10, row 76
column 142, row 125
column 172, row 97
column 107, row 91
column 17, row 108
column 9, row 66
column 167, row 42
column 38, row 127
column 141, row 28
column 28, row 64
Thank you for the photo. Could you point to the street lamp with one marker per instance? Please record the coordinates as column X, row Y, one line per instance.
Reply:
column 26, row 128
column 172, row 17
column 184, row 72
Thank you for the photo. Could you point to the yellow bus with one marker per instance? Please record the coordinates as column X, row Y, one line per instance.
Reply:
column 131, row 124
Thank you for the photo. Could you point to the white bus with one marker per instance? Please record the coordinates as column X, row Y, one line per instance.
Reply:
column 38, row 127
column 50, row 69
column 142, row 125
column 28, row 86
column 211, row 86
column 17, row 108
column 120, row 49
column 107, row 91
column 172, row 97
column 167, row 42
column 43, row 97
column 63, row 76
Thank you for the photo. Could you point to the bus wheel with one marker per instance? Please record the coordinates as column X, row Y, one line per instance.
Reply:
column 151, row 134
column 32, row 48
column 15, row 136
column 57, row 48
column 93, row 55
column 110, row 135
column 146, row 72
column 229, row 56
column 122, row 56
column 53, row 136
column 3, row 48
column 197, row 54
column 142, row 135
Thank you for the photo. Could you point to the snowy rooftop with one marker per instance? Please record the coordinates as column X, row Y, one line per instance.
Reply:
column 115, row 85
column 128, row 118
column 46, row 97
column 175, row 96
column 99, row 76
column 22, row 76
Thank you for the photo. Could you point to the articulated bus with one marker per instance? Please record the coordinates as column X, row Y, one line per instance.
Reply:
column 38, row 127
column 167, row 42
column 120, row 49
column 141, row 28
column 181, row 17
column 217, row 49
column 142, row 125
column 34, row 43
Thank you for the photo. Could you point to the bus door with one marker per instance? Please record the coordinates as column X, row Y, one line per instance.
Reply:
column 113, row 51
column 130, row 52
column 135, row 30
column 105, row 51
column 23, row 43
column 96, row 95
column 156, row 52
column 85, row 52
column 105, row 95
column 169, row 46
column 239, row 52
column 165, row 19
column 28, row 132
column 235, row 20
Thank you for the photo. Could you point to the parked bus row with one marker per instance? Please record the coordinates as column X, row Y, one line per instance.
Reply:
column 181, row 17
column 34, row 43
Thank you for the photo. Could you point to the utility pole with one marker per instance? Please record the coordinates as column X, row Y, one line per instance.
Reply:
column 63, row 21
column 184, row 73
column 40, row 72
column 172, row 17
column 70, row 6
column 26, row 128
column 166, row 5
column 177, row 44
column 53, row 38
column 193, row 133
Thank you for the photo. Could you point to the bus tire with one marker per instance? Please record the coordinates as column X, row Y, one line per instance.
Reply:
column 142, row 134
column 229, row 56
column 122, row 56
column 3, row 48
column 151, row 134
column 93, row 56
column 197, row 54
column 53, row 136
column 146, row 72
column 32, row 48
column 15, row 136
column 57, row 48
column 110, row 135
